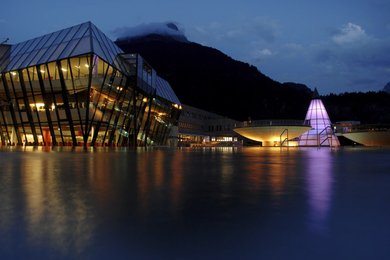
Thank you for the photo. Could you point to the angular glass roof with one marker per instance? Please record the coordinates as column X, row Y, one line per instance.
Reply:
column 73, row 41
column 77, row 40
column 164, row 90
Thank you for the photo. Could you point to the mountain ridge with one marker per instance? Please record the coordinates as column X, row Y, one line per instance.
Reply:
column 208, row 79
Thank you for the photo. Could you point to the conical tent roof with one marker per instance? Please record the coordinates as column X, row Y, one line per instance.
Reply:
column 321, row 133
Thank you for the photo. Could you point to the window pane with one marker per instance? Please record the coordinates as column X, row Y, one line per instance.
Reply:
column 70, row 35
column 33, row 44
column 51, row 39
column 45, row 57
column 43, row 41
column 29, row 58
column 15, row 49
column 37, row 57
column 59, row 39
column 98, row 49
column 69, row 48
column 17, row 65
column 83, row 47
column 58, row 51
column 82, row 31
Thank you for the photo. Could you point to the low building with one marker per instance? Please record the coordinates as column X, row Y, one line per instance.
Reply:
column 76, row 87
column 274, row 132
column 363, row 134
column 198, row 127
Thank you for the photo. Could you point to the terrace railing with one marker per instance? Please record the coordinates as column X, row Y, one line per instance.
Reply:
column 286, row 122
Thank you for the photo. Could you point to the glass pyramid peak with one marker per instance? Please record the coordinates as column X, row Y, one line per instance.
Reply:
column 77, row 40
column 321, row 132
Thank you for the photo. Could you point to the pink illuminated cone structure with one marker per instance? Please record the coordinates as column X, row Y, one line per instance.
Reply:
column 321, row 133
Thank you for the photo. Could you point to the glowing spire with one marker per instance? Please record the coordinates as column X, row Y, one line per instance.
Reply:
column 321, row 133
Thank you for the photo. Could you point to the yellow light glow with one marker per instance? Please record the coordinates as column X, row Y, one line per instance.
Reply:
column 86, row 65
column 145, row 99
column 63, row 69
column 37, row 104
column 13, row 73
column 42, row 71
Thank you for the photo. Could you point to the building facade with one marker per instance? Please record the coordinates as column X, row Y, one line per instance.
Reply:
column 198, row 127
column 76, row 87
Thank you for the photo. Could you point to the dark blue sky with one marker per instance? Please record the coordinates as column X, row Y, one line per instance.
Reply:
column 334, row 45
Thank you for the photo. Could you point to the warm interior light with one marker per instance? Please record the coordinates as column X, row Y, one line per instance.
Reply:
column 86, row 65
column 42, row 71
column 145, row 99
column 37, row 104
column 63, row 69
column 13, row 73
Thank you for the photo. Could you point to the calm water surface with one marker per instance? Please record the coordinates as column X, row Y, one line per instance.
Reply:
column 249, row 203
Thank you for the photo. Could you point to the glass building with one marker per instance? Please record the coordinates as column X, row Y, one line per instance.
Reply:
column 321, row 132
column 75, row 87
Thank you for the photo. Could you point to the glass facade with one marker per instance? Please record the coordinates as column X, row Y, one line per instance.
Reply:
column 76, row 87
column 321, row 132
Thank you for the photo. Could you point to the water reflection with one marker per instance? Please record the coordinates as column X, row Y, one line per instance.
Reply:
column 57, row 204
column 237, row 203
column 268, row 171
column 8, row 193
column 319, row 186
column 177, row 182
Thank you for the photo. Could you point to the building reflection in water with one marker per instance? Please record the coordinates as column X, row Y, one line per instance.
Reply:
column 61, row 199
column 267, row 171
column 319, row 187
column 155, row 172
column 177, row 182
column 7, row 194
column 227, row 171
column 57, row 215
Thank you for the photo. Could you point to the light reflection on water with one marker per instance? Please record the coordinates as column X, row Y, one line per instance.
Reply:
column 319, row 180
column 209, row 203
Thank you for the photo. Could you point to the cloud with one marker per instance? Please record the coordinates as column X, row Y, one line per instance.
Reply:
column 263, row 53
column 249, row 29
column 349, row 33
column 351, row 60
column 167, row 28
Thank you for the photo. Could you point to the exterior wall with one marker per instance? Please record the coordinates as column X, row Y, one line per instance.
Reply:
column 81, row 101
column 200, row 127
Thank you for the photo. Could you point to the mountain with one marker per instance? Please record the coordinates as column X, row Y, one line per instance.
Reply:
column 368, row 108
column 206, row 78
column 387, row 88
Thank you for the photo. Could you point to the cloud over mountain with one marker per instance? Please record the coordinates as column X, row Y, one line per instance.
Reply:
column 172, row 29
